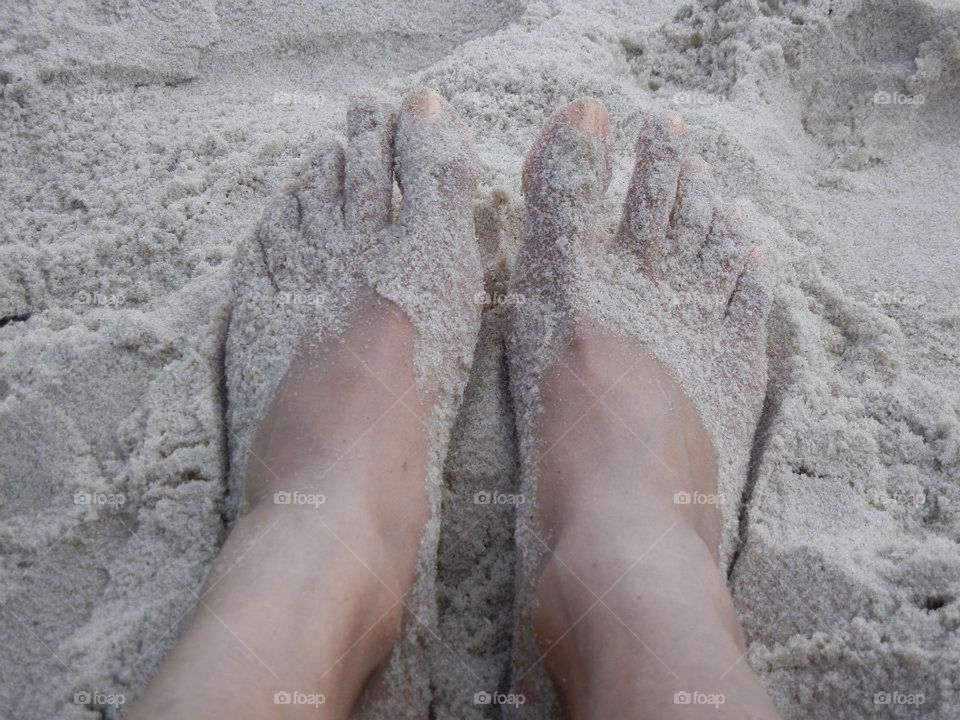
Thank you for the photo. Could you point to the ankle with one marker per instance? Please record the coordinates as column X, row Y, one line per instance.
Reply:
column 639, row 449
column 614, row 504
column 380, row 537
column 602, row 591
column 363, row 577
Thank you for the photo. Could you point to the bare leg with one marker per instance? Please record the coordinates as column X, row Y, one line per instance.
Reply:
column 631, row 615
column 311, row 590
column 633, row 609
column 308, row 597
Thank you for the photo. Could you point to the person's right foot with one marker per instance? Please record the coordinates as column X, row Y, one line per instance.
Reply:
column 638, row 369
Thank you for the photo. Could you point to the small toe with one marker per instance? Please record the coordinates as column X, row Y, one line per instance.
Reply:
column 723, row 254
column 653, row 191
column 434, row 162
column 749, row 303
column 320, row 189
column 368, row 190
column 693, row 211
column 278, row 238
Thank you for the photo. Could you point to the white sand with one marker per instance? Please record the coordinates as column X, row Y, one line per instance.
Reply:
column 140, row 142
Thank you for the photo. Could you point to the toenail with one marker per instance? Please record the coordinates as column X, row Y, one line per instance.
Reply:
column 425, row 103
column 589, row 116
column 697, row 166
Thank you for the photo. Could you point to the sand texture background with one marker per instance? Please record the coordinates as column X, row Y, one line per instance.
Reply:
column 140, row 140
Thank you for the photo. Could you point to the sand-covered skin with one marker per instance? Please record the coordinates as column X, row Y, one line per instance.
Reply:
column 675, row 277
column 123, row 204
column 331, row 239
column 323, row 248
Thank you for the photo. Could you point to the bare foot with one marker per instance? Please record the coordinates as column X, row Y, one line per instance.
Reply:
column 638, row 369
column 349, row 346
column 338, row 292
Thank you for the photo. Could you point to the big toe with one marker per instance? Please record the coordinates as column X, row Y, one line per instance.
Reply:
column 565, row 177
column 568, row 169
column 435, row 164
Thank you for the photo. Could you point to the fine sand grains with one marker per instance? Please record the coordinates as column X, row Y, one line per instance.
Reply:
column 138, row 151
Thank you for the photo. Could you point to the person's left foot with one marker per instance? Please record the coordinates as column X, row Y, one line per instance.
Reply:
column 638, row 370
